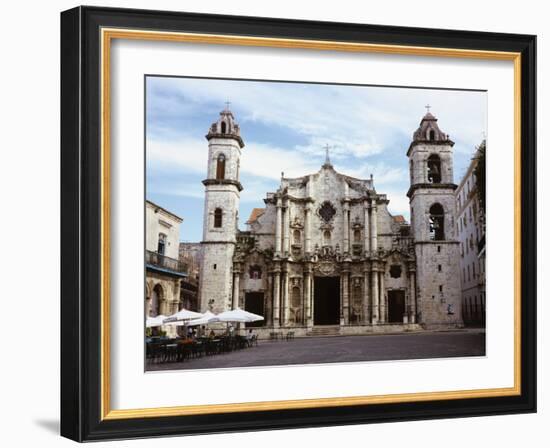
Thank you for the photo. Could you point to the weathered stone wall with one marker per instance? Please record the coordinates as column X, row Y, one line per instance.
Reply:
column 216, row 278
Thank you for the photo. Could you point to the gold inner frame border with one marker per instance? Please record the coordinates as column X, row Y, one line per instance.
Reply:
column 107, row 35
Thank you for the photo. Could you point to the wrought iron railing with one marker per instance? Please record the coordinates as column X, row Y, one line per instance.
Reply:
column 162, row 261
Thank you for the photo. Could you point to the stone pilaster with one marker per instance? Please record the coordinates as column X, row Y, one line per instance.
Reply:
column 278, row 228
column 285, row 297
column 346, row 226
column 383, row 304
column 367, row 228
column 373, row 228
column 276, row 298
column 286, row 229
column 366, row 303
column 345, row 294
column 374, row 296
column 269, row 301
column 412, row 295
column 307, row 229
column 307, row 296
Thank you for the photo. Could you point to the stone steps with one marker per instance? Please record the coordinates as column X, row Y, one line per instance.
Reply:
column 324, row 330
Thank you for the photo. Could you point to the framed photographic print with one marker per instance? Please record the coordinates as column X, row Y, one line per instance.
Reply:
column 273, row 223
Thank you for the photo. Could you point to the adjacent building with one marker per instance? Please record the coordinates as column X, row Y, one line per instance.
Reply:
column 325, row 255
column 470, row 226
column 164, row 271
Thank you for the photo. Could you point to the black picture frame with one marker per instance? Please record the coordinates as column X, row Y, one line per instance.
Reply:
column 81, row 211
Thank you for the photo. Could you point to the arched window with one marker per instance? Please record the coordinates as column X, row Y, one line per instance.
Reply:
column 437, row 222
column 326, row 238
column 357, row 236
column 434, row 169
column 431, row 135
column 297, row 236
column 161, row 246
column 220, row 167
column 218, row 217
column 224, row 127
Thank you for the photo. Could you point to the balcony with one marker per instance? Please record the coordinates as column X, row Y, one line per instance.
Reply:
column 162, row 263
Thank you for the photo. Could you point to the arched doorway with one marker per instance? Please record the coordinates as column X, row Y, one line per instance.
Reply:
column 157, row 296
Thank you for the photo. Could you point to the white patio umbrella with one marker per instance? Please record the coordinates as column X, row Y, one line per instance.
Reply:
column 156, row 321
column 207, row 318
column 239, row 315
column 182, row 315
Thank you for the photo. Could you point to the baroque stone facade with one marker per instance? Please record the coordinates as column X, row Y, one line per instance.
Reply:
column 325, row 256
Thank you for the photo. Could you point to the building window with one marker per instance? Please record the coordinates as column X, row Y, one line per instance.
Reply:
column 357, row 236
column 440, row 288
column 327, row 211
column 395, row 270
column 431, row 135
column 215, row 266
column 161, row 246
column 220, row 167
column 434, row 169
column 297, row 236
column 439, row 268
column 255, row 272
column 224, row 127
column 218, row 217
column 437, row 222
column 326, row 238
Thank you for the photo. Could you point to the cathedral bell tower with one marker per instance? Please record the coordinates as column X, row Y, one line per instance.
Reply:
column 221, row 208
column 433, row 225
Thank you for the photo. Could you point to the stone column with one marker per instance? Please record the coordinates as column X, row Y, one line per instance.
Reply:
column 345, row 295
column 383, row 304
column 236, row 278
column 285, row 298
column 307, row 296
column 276, row 297
column 278, row 227
column 307, row 230
column 373, row 228
column 286, row 230
column 412, row 297
column 268, row 300
column 366, row 304
column 374, row 296
column 346, row 227
column 366, row 229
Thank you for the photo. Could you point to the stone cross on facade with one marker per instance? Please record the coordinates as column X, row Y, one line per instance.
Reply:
column 327, row 156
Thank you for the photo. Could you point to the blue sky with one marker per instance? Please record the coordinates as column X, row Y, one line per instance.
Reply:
column 285, row 127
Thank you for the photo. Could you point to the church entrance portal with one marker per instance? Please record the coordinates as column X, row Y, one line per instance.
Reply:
column 326, row 306
column 396, row 306
column 254, row 303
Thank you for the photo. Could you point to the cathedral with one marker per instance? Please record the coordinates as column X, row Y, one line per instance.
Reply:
column 325, row 256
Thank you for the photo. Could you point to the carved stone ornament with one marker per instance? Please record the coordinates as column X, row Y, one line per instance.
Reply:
column 296, row 223
column 326, row 268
